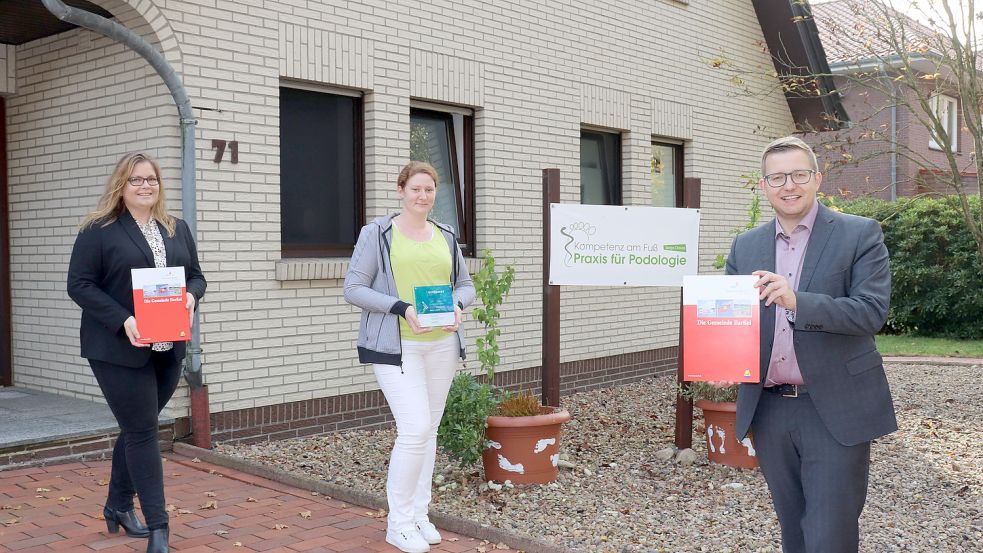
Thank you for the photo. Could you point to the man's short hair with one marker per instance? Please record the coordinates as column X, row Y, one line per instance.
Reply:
column 785, row 144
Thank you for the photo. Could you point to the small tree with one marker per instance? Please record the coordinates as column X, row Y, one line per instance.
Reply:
column 469, row 402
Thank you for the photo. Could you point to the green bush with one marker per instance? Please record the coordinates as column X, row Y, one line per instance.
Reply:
column 936, row 281
column 462, row 429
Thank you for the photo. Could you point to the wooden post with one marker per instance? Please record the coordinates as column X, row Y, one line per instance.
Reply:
column 684, row 407
column 551, row 298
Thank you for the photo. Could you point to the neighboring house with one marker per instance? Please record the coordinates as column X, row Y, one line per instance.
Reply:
column 319, row 104
column 868, row 169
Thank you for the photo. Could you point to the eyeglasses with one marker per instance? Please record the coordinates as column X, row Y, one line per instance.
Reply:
column 137, row 182
column 799, row 176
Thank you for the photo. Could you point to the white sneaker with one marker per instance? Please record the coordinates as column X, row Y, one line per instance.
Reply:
column 408, row 540
column 428, row 531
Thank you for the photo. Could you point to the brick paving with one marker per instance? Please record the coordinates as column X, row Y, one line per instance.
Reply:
column 59, row 508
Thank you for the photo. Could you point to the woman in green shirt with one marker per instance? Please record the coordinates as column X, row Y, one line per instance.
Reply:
column 413, row 364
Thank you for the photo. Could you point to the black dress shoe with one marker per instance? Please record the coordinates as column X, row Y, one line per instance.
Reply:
column 158, row 541
column 128, row 520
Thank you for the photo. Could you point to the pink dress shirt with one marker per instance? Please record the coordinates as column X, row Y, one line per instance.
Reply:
column 790, row 251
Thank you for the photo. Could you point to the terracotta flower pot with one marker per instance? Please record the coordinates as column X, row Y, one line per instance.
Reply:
column 524, row 450
column 722, row 444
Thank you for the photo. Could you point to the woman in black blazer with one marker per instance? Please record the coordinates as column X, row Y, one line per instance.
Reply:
column 131, row 229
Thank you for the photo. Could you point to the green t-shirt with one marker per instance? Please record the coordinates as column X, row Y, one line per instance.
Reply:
column 426, row 263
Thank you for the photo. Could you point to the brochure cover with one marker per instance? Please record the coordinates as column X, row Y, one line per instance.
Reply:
column 720, row 328
column 160, row 305
column 434, row 305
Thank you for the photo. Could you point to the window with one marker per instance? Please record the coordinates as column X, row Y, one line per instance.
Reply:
column 667, row 175
column 445, row 139
column 321, row 173
column 600, row 168
column 945, row 109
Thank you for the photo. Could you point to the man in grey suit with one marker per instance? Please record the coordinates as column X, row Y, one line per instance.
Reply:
column 825, row 286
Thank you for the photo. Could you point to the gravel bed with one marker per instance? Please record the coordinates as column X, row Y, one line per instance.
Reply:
column 925, row 493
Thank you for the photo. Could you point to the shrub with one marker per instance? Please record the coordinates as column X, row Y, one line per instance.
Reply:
column 462, row 429
column 937, row 284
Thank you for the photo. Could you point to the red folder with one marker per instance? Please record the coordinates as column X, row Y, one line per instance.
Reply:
column 721, row 328
column 160, row 305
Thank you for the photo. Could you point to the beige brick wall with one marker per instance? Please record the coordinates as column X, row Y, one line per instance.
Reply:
column 275, row 331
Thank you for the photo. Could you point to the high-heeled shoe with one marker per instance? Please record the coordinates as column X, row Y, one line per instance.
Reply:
column 158, row 541
column 128, row 520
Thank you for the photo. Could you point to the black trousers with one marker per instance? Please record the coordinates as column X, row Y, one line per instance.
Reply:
column 136, row 397
column 818, row 486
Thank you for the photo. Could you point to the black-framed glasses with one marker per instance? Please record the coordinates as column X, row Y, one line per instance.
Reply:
column 799, row 176
column 137, row 182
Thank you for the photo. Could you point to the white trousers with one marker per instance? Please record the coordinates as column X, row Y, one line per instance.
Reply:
column 416, row 396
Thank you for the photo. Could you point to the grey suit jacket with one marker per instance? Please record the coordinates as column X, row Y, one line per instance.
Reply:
column 842, row 302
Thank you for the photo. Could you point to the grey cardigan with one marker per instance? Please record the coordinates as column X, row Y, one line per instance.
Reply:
column 370, row 285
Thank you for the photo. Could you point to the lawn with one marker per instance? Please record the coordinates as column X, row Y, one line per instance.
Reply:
column 938, row 347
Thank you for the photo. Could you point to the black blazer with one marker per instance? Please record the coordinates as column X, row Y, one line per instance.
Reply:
column 99, row 282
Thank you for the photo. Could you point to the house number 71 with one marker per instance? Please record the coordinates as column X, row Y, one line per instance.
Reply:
column 219, row 147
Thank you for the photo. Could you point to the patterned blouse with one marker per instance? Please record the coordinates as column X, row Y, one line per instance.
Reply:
column 156, row 242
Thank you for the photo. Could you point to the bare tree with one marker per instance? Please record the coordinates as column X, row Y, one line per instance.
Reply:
column 895, row 63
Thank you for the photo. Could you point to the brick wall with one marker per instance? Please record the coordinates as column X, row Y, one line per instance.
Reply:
column 533, row 72
column 369, row 410
column 81, row 101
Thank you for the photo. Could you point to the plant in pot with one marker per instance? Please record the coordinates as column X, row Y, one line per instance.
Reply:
column 483, row 421
column 720, row 417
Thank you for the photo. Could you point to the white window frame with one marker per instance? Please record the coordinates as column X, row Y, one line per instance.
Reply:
column 946, row 108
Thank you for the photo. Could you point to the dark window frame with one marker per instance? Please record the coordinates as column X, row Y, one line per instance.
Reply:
column 677, row 168
column 358, row 136
column 466, row 211
column 617, row 189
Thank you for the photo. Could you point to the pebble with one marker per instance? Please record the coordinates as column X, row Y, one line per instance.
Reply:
column 665, row 454
column 686, row 457
column 673, row 507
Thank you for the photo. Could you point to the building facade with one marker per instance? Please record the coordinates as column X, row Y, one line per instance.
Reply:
column 306, row 110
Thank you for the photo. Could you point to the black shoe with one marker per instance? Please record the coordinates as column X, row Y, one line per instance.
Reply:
column 158, row 541
column 128, row 520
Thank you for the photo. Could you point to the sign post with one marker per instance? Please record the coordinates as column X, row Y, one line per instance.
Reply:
column 551, row 298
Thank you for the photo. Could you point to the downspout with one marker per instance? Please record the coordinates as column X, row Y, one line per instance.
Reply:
column 119, row 33
column 893, row 133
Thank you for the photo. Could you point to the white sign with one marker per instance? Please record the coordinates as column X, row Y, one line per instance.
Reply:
column 595, row 245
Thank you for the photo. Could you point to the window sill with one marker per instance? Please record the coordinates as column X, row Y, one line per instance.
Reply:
column 311, row 268
column 331, row 268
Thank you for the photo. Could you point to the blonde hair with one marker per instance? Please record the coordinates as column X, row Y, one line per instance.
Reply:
column 415, row 168
column 786, row 144
column 111, row 205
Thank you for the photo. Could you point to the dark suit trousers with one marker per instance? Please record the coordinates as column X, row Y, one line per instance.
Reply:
column 818, row 486
column 136, row 397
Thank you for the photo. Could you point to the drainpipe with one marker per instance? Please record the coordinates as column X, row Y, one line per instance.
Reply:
column 192, row 370
column 893, row 133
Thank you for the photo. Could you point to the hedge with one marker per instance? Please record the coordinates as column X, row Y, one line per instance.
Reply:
column 937, row 283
